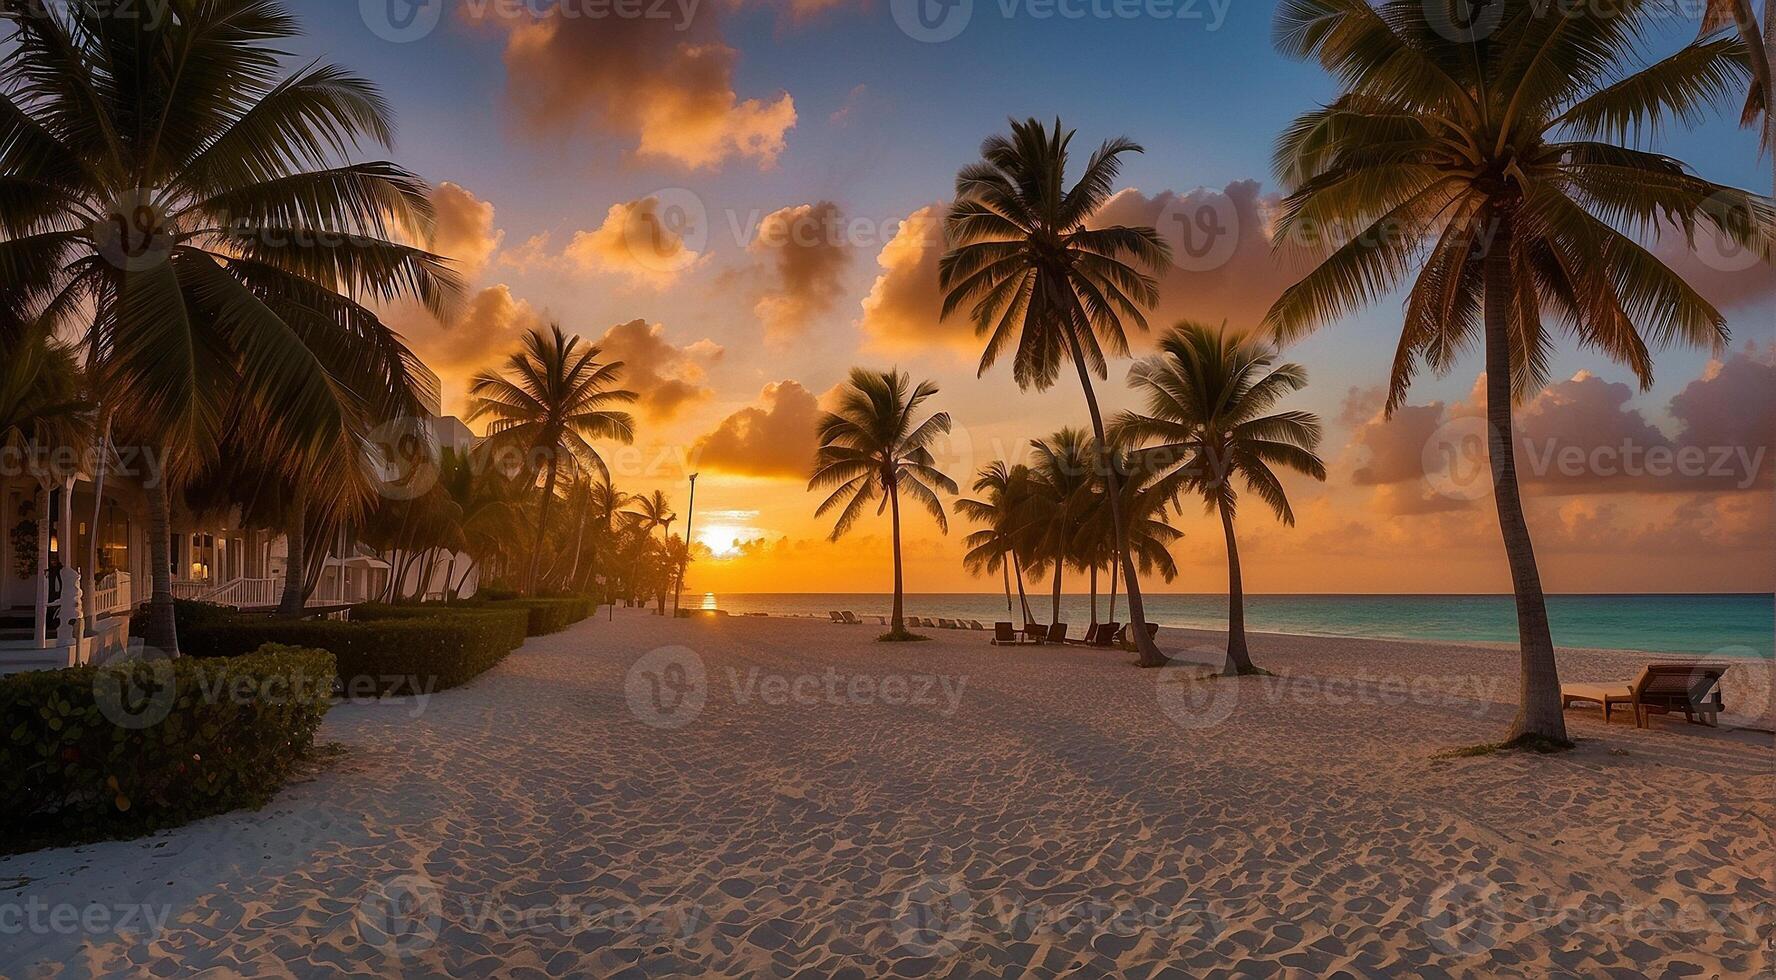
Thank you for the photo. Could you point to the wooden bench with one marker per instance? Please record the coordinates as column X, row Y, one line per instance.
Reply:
column 1692, row 688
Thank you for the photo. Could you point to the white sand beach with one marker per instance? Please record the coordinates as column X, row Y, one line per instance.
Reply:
column 773, row 797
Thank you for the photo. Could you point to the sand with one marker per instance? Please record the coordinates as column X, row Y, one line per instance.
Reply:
column 785, row 797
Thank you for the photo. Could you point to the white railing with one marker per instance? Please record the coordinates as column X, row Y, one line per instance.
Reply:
column 112, row 593
column 243, row 593
column 191, row 590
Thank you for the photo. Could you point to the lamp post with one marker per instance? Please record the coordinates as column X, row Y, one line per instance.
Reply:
column 690, row 514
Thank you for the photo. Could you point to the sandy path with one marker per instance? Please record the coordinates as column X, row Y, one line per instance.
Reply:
column 826, row 804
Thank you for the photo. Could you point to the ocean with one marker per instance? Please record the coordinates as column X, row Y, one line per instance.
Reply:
column 1740, row 625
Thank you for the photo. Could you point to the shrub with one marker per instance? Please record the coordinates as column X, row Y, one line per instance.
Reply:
column 381, row 650
column 130, row 747
column 548, row 615
column 187, row 614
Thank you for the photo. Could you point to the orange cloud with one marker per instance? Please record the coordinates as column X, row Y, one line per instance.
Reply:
column 801, row 254
column 900, row 314
column 668, row 378
column 464, row 229
column 485, row 330
column 667, row 85
column 772, row 438
column 636, row 241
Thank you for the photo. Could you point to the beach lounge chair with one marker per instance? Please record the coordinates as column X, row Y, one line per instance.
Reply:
column 1057, row 633
column 834, row 613
column 1692, row 688
column 975, row 624
column 1035, row 632
column 1004, row 635
column 851, row 618
column 1092, row 637
column 948, row 624
column 1107, row 635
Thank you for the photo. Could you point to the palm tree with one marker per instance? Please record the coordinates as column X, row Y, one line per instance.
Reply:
column 653, row 512
column 875, row 444
column 553, row 398
column 604, row 503
column 1065, row 473
column 1503, row 155
column 1150, row 537
column 1003, row 507
column 1205, row 422
column 185, row 207
column 1760, row 47
column 1025, row 260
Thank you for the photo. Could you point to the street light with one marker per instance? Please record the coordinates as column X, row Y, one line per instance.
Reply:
column 690, row 514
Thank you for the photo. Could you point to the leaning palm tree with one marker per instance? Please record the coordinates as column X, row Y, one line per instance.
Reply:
column 188, row 209
column 875, row 444
column 1207, row 420
column 1760, row 48
column 551, row 400
column 1029, row 268
column 653, row 512
column 1002, row 506
column 1504, row 156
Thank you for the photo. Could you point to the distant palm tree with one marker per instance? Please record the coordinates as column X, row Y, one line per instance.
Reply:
column 1150, row 537
column 1002, row 506
column 183, row 206
column 552, row 399
column 1205, row 422
column 1064, row 467
column 653, row 512
column 874, row 444
column 1029, row 268
column 605, row 502
column 1499, row 156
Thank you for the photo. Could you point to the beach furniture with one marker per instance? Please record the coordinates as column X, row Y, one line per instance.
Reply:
column 1004, row 635
column 975, row 624
column 834, row 613
column 850, row 618
column 1057, row 633
column 1096, row 636
column 1692, row 688
column 1107, row 634
column 1152, row 631
column 948, row 624
column 1035, row 632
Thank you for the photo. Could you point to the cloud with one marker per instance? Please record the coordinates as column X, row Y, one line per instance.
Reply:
column 668, row 378
column 1733, row 403
column 636, row 241
column 1223, row 266
column 668, row 85
column 485, row 330
column 901, row 311
column 464, row 229
column 773, row 437
column 800, row 256
column 1726, row 276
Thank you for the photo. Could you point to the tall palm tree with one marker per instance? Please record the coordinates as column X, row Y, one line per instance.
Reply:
column 1002, row 505
column 1064, row 467
column 1030, row 268
column 186, row 207
column 876, row 444
column 1150, row 537
column 1207, row 420
column 551, row 400
column 1760, row 49
column 1504, row 155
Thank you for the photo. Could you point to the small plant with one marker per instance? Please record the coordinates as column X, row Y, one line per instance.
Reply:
column 901, row 636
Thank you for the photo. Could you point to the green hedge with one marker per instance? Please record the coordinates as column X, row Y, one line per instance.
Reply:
column 124, row 749
column 548, row 615
column 381, row 651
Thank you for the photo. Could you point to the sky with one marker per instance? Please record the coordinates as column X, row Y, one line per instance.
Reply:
column 740, row 200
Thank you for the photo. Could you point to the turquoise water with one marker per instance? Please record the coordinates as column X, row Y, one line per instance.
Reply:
column 1721, row 625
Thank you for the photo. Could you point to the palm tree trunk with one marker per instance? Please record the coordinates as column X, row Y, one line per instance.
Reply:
column 1538, row 708
column 573, row 571
column 89, row 575
column 161, row 632
column 1057, row 593
column 1094, row 595
column 897, row 624
column 536, row 553
column 1148, row 654
column 1114, row 568
column 1005, row 571
column 1023, row 597
column 296, row 557
column 1238, row 660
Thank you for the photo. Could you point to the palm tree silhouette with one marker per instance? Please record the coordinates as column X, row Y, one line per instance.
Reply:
column 1003, row 506
column 1204, row 424
column 875, row 444
column 1500, row 154
column 204, row 233
column 1031, row 270
column 550, row 401
column 1064, row 471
